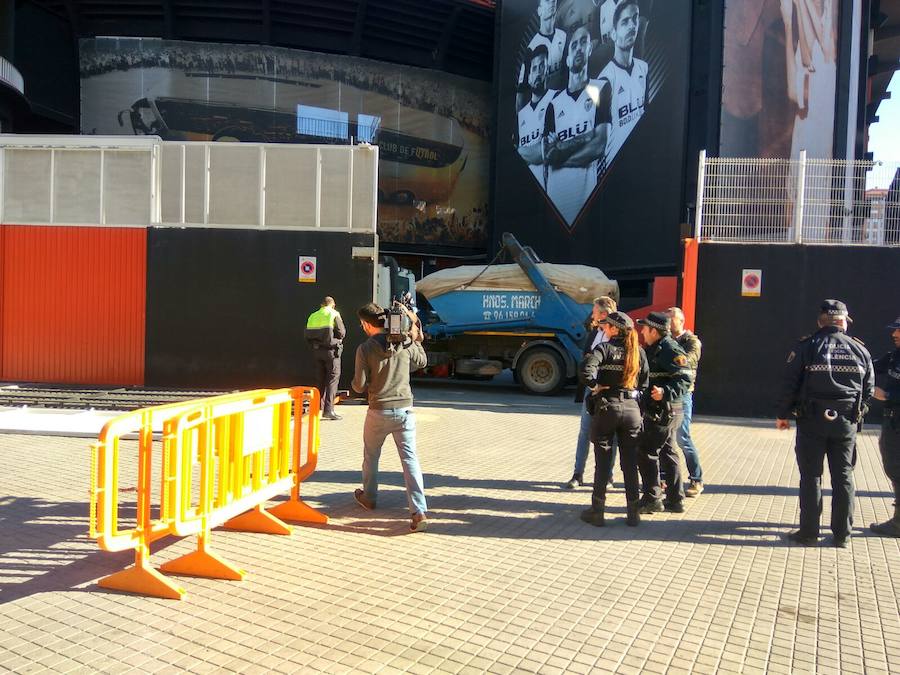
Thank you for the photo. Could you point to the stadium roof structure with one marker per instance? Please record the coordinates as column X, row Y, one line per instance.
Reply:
column 455, row 36
column 885, row 59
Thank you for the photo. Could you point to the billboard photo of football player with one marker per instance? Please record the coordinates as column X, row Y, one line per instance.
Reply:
column 575, row 132
column 553, row 39
column 624, row 79
column 533, row 115
column 601, row 102
column 779, row 78
column 587, row 125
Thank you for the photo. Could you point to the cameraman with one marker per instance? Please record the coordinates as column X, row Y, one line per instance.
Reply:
column 382, row 370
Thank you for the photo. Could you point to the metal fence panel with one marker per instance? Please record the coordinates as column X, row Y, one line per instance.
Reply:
column 140, row 182
column 813, row 201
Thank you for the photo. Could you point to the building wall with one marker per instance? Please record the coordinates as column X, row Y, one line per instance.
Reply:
column 225, row 308
column 72, row 304
column 746, row 340
column 432, row 128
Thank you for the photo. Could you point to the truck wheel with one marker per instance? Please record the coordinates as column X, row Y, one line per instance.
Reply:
column 540, row 371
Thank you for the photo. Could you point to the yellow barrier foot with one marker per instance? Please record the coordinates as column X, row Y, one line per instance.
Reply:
column 144, row 581
column 203, row 564
column 257, row 520
column 298, row 512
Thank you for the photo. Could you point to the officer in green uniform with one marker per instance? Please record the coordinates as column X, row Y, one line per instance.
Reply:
column 325, row 334
column 887, row 379
column 670, row 379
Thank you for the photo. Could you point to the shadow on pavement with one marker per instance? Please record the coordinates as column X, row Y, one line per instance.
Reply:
column 464, row 514
column 436, row 480
column 44, row 547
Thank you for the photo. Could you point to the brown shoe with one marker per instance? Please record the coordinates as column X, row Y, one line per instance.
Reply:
column 694, row 489
column 419, row 523
column 363, row 501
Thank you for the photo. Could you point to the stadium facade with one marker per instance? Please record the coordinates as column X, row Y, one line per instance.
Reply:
column 575, row 124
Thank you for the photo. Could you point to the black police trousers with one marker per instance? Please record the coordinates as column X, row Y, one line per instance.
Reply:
column 328, row 372
column 817, row 439
column 657, row 451
column 616, row 418
column 889, row 444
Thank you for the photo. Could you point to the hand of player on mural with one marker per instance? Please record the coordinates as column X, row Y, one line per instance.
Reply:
column 551, row 149
column 591, row 148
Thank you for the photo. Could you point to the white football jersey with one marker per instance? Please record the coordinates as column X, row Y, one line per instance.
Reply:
column 571, row 116
column 555, row 45
column 606, row 18
column 628, row 89
column 532, row 119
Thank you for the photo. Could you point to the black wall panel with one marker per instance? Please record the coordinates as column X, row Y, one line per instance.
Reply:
column 746, row 340
column 225, row 309
column 45, row 54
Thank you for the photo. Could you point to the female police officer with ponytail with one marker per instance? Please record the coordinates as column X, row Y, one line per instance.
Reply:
column 616, row 372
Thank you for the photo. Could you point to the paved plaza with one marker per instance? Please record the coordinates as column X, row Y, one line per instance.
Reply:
column 506, row 580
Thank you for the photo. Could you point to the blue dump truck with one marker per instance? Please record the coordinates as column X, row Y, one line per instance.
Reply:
column 528, row 316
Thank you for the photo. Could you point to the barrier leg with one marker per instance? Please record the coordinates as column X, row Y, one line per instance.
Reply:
column 297, row 511
column 203, row 563
column 144, row 580
column 257, row 519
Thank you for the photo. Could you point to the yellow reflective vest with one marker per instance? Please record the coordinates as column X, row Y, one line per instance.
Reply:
column 325, row 329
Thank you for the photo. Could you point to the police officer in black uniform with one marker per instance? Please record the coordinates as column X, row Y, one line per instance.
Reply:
column 828, row 382
column 616, row 372
column 670, row 379
column 887, row 374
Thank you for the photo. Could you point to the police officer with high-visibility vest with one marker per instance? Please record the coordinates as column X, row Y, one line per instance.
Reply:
column 325, row 334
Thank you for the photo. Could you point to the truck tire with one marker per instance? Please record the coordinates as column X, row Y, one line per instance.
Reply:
column 541, row 371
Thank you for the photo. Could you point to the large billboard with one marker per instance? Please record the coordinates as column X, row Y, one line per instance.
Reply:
column 592, row 99
column 432, row 128
column 779, row 78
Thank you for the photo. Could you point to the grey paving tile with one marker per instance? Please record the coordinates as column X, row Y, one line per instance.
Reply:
column 507, row 579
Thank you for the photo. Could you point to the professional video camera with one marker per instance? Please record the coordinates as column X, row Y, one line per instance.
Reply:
column 397, row 321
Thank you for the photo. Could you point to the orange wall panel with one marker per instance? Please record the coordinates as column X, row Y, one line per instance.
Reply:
column 72, row 304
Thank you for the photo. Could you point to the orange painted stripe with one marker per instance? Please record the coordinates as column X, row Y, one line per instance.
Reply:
column 689, row 282
column 73, row 304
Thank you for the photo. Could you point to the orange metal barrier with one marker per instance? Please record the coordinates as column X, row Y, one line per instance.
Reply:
column 245, row 452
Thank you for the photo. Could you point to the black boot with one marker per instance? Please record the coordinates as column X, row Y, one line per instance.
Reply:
column 649, row 505
column 633, row 517
column 594, row 515
column 889, row 528
column 576, row 480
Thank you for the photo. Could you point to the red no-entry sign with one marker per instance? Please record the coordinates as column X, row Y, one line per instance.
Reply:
column 751, row 283
column 307, row 273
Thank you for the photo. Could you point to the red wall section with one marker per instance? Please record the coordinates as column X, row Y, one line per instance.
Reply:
column 72, row 304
